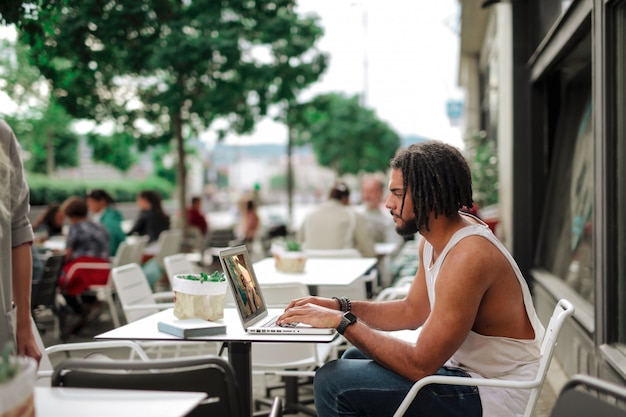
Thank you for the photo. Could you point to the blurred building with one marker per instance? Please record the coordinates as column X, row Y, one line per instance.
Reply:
column 546, row 80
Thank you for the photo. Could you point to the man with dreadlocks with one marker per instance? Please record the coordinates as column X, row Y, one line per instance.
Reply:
column 483, row 323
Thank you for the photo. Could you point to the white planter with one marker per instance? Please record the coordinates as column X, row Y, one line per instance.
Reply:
column 17, row 395
column 198, row 299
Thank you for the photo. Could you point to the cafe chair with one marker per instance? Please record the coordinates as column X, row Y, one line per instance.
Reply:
column 45, row 292
column 84, row 349
column 562, row 311
column 210, row 374
column 584, row 395
column 178, row 264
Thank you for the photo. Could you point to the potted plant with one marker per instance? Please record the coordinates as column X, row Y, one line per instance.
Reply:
column 199, row 295
column 17, row 385
column 289, row 257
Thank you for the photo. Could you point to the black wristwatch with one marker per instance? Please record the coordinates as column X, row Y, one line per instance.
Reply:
column 347, row 319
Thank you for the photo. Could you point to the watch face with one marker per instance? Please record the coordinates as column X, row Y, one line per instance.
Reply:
column 351, row 317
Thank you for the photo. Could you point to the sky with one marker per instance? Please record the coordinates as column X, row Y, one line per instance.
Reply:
column 412, row 52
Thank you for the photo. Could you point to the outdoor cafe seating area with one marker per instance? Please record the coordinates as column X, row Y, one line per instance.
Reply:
column 280, row 374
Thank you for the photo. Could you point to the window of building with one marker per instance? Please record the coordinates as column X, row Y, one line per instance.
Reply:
column 565, row 247
column 548, row 13
column 620, row 101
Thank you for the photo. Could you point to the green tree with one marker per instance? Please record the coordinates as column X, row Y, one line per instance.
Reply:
column 346, row 136
column 175, row 66
column 42, row 126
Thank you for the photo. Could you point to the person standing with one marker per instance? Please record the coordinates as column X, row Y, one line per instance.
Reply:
column 469, row 299
column 336, row 225
column 16, row 236
column 101, row 206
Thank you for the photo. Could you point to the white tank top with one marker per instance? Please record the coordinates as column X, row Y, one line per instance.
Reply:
column 490, row 356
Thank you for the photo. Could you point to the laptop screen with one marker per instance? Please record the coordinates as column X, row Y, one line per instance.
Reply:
column 243, row 283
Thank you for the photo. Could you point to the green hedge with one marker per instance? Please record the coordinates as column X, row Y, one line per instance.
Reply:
column 44, row 190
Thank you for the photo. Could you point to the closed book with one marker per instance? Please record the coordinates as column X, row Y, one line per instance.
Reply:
column 192, row 327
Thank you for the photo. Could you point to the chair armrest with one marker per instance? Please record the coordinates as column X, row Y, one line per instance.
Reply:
column 458, row 380
column 105, row 344
column 164, row 295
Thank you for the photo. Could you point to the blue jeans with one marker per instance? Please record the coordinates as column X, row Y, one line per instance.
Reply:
column 357, row 386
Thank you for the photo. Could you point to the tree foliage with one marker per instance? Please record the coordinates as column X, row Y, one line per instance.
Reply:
column 41, row 125
column 481, row 152
column 346, row 136
column 173, row 66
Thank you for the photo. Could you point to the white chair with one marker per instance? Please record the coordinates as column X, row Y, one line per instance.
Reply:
column 178, row 264
column 46, row 368
column 126, row 253
column 562, row 311
column 135, row 295
column 289, row 360
column 169, row 243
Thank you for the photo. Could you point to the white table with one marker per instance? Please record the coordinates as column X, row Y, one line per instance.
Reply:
column 79, row 402
column 239, row 342
column 317, row 271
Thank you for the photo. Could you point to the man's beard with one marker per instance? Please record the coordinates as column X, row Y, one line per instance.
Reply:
column 407, row 227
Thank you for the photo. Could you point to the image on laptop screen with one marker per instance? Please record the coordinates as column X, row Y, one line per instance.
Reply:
column 244, row 284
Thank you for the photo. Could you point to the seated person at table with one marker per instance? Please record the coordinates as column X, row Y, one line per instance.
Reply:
column 195, row 217
column 101, row 206
column 336, row 225
column 87, row 244
column 49, row 222
column 379, row 222
column 152, row 219
column 469, row 297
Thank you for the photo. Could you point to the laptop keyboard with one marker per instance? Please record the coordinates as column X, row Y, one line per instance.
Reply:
column 272, row 323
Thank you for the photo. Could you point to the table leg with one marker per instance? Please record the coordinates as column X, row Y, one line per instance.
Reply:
column 239, row 356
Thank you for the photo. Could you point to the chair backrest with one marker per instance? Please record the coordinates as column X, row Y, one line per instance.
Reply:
column 178, row 264
column 210, row 374
column 592, row 400
column 169, row 244
column 45, row 291
column 562, row 311
column 124, row 255
column 133, row 289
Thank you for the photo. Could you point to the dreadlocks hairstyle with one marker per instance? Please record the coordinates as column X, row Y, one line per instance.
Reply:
column 439, row 179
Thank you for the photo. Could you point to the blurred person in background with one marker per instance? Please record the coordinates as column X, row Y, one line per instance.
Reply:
column 195, row 216
column 101, row 206
column 334, row 224
column 87, row 244
column 49, row 222
column 380, row 223
column 16, row 236
column 152, row 218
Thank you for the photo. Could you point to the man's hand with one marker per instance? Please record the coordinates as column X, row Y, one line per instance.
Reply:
column 320, row 301
column 312, row 314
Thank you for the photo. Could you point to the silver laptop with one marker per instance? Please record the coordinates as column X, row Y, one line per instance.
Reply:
column 249, row 297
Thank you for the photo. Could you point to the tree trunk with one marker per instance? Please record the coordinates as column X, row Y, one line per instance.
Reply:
column 290, row 179
column 181, row 173
column 49, row 152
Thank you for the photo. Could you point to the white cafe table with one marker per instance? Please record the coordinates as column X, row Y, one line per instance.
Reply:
column 92, row 402
column 317, row 271
column 238, row 340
